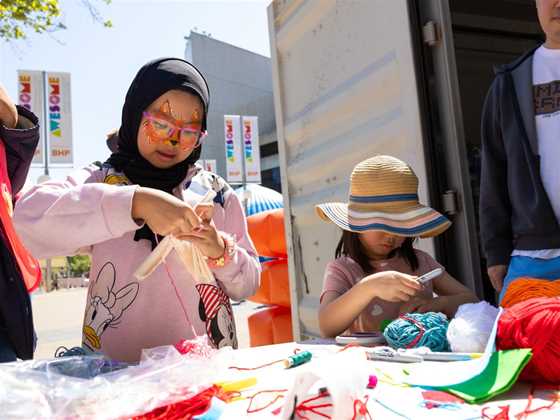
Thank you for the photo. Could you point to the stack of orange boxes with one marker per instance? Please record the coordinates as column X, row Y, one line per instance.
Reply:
column 273, row 324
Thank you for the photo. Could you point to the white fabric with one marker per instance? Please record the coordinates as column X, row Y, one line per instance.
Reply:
column 469, row 330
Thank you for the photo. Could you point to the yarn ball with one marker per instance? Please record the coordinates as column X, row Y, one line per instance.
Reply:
column 534, row 324
column 418, row 330
column 469, row 331
column 525, row 288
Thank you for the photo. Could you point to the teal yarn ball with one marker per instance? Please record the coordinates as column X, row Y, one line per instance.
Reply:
column 418, row 330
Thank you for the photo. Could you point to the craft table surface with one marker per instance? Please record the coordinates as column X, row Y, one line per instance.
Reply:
column 401, row 399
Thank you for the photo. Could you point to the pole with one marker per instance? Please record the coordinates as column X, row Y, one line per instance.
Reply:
column 48, row 268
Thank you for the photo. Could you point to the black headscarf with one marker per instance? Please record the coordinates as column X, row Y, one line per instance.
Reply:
column 153, row 80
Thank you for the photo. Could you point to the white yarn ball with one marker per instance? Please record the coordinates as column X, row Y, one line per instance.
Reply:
column 468, row 332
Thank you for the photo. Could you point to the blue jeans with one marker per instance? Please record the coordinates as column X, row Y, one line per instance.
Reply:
column 538, row 268
column 7, row 353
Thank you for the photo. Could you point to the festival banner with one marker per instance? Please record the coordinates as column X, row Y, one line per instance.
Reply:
column 31, row 94
column 251, row 150
column 59, row 116
column 232, row 132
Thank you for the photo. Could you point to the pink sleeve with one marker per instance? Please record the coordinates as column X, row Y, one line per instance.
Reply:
column 337, row 279
column 62, row 217
column 239, row 278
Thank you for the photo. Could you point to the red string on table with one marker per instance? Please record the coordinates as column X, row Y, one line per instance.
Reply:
column 360, row 408
column 296, row 351
column 347, row 346
column 527, row 412
column 502, row 415
column 172, row 279
column 266, row 391
column 305, row 406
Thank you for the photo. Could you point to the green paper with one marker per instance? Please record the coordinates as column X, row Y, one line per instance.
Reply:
column 384, row 324
column 499, row 376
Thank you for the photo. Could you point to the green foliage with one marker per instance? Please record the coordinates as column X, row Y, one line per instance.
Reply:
column 18, row 17
column 79, row 264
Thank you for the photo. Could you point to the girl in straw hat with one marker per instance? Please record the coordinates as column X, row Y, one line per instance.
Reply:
column 374, row 276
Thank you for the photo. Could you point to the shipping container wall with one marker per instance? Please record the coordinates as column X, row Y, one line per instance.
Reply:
column 345, row 89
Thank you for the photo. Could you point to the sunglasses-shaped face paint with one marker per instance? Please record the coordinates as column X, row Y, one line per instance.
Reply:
column 165, row 129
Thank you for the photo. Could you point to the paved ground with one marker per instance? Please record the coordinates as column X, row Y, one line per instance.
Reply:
column 58, row 320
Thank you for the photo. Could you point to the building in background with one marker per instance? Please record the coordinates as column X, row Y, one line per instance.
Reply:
column 240, row 83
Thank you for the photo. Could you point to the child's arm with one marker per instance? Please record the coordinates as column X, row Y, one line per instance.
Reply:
column 451, row 295
column 61, row 217
column 337, row 312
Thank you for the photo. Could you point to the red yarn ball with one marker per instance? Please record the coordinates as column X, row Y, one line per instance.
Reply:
column 534, row 324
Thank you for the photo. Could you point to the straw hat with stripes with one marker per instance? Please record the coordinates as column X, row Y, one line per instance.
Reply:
column 384, row 196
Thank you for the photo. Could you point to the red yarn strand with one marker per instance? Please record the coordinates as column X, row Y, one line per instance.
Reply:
column 360, row 409
column 527, row 412
column 256, row 367
column 296, row 351
column 421, row 330
column 502, row 415
column 252, row 398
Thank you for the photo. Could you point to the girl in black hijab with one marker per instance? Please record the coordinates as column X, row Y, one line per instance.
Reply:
column 146, row 95
column 150, row 186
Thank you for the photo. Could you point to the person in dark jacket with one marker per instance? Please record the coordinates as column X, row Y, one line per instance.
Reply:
column 19, row 134
column 520, row 180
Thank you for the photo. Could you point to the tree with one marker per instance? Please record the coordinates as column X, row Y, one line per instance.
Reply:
column 79, row 264
column 17, row 17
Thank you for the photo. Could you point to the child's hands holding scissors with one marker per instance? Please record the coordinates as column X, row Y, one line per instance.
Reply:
column 393, row 286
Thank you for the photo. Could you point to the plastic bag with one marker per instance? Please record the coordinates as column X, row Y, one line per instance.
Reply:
column 88, row 387
column 345, row 384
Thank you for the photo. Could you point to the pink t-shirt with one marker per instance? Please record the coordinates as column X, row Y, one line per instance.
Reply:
column 343, row 273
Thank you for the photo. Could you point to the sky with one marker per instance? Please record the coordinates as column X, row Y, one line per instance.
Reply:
column 103, row 61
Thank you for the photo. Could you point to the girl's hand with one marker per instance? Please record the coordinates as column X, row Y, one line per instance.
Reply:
column 8, row 110
column 393, row 286
column 423, row 305
column 497, row 273
column 206, row 237
column 164, row 213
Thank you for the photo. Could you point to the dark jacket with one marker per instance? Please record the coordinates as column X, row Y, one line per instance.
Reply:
column 16, row 318
column 515, row 211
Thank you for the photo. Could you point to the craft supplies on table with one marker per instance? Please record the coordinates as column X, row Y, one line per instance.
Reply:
column 335, row 382
column 418, row 330
column 389, row 354
column 361, row 338
column 297, row 359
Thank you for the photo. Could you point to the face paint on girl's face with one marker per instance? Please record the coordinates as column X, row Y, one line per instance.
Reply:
column 168, row 111
column 164, row 140
column 161, row 128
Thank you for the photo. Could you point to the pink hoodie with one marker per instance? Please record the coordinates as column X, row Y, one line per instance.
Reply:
column 90, row 212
